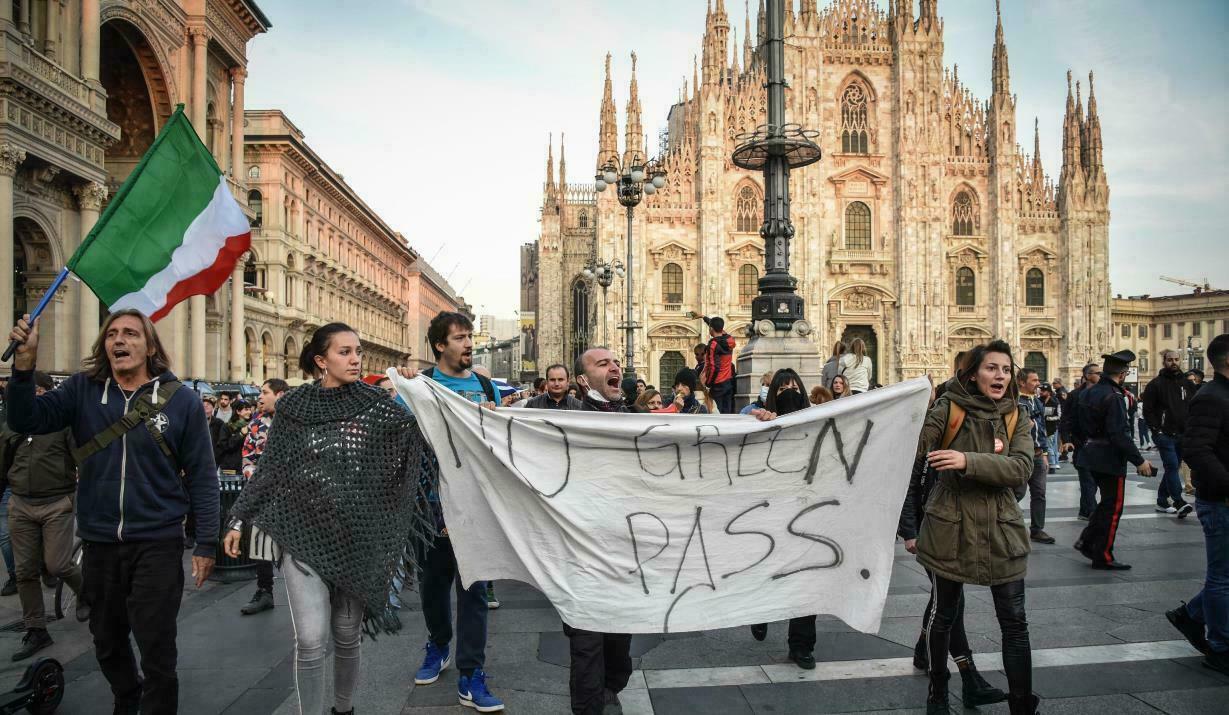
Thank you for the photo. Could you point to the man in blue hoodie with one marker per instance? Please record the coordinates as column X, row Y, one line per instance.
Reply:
column 135, row 488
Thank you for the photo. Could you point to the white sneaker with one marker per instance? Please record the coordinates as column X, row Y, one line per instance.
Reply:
column 1166, row 509
column 1185, row 510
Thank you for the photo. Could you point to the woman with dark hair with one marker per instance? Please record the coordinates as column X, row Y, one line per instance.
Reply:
column 981, row 449
column 840, row 387
column 787, row 393
column 228, row 452
column 337, row 490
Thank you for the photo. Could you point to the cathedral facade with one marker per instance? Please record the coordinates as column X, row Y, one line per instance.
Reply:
column 924, row 230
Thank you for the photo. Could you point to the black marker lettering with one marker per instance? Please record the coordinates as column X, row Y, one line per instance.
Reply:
column 775, row 438
column 850, row 467
column 699, row 445
column 742, row 447
column 772, row 543
column 678, row 457
column 567, row 461
column 636, row 549
column 666, row 625
column 696, row 527
column 837, row 554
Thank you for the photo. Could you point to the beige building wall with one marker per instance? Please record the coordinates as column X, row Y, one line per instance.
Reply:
column 921, row 230
column 86, row 85
column 1147, row 325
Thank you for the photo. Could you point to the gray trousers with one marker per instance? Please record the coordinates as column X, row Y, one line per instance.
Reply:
column 314, row 615
column 1036, row 489
column 42, row 534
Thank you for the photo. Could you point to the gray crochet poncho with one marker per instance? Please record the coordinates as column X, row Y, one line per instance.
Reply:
column 337, row 487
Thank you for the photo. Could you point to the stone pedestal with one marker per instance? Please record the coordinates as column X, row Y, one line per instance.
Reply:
column 770, row 349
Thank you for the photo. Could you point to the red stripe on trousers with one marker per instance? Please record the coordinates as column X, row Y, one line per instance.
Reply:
column 1109, row 539
column 210, row 279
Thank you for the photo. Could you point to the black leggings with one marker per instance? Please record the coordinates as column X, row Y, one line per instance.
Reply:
column 1008, row 607
column 958, row 641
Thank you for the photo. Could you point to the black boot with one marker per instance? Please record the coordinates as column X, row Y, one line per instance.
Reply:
column 921, row 656
column 936, row 698
column 336, row 712
column 35, row 640
column 1023, row 705
column 974, row 689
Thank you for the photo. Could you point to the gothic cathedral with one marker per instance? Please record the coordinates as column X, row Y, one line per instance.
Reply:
column 925, row 229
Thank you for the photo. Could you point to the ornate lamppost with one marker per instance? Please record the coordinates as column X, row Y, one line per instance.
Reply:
column 604, row 273
column 776, row 148
column 632, row 182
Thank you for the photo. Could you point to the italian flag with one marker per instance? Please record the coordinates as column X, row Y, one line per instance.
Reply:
column 172, row 230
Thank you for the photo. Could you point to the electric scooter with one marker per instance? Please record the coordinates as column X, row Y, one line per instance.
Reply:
column 39, row 691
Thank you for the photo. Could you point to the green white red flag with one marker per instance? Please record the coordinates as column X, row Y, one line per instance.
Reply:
column 173, row 230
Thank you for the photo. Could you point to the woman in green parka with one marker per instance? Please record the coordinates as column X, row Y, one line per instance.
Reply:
column 973, row 531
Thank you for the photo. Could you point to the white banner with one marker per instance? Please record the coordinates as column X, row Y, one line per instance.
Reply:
column 643, row 523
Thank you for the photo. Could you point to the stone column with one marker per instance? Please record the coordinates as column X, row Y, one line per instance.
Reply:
column 23, row 18
column 196, row 304
column 6, row 11
column 237, row 77
column 89, row 198
column 10, row 158
column 237, row 352
column 53, row 28
column 90, row 45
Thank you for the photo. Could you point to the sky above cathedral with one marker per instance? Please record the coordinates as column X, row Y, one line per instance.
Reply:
column 438, row 112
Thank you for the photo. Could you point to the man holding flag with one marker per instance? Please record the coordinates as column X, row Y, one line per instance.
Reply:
column 145, row 457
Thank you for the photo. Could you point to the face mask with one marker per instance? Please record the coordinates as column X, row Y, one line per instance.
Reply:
column 791, row 401
column 763, row 393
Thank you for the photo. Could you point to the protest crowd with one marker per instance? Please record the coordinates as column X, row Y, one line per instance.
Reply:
column 130, row 457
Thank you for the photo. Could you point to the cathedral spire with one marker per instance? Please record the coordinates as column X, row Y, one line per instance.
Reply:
column 633, row 141
column 1038, row 172
column 928, row 14
column 1000, row 76
column 1071, row 177
column 716, row 52
column 608, row 132
column 1094, row 128
column 734, row 71
column 550, row 165
column 563, row 167
column 747, row 35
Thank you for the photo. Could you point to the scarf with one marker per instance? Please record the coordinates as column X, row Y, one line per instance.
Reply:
column 596, row 401
column 337, row 488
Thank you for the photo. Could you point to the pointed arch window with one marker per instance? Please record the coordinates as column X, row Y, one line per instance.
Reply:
column 580, row 318
column 857, row 227
column 748, row 284
column 583, row 219
column 966, row 287
column 962, row 215
column 747, row 218
column 1034, row 288
column 672, row 283
column 854, row 120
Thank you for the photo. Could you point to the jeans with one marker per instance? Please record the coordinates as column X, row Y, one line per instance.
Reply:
column 135, row 588
column 1036, row 487
column 6, row 546
column 1171, row 481
column 801, row 634
column 439, row 575
column 42, row 534
column 1008, row 607
column 1144, row 439
column 600, row 662
column 1088, row 491
column 723, row 395
column 314, row 613
column 1052, row 449
column 1211, row 606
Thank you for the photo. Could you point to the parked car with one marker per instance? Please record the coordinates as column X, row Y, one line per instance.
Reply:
column 248, row 393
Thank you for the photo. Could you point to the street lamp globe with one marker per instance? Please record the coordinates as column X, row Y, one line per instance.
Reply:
column 608, row 175
column 650, row 189
column 659, row 179
column 600, row 183
column 637, row 173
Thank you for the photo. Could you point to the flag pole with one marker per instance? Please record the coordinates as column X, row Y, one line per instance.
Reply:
column 38, row 310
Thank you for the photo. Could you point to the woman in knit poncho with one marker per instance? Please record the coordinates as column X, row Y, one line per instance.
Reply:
column 337, row 489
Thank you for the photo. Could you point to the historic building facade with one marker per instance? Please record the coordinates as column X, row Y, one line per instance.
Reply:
column 1187, row 322
column 924, row 230
column 320, row 254
column 86, row 85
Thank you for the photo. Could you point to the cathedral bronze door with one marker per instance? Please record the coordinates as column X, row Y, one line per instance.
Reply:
column 867, row 333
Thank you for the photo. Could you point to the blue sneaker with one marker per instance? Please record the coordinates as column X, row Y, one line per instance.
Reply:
column 436, row 661
column 473, row 693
